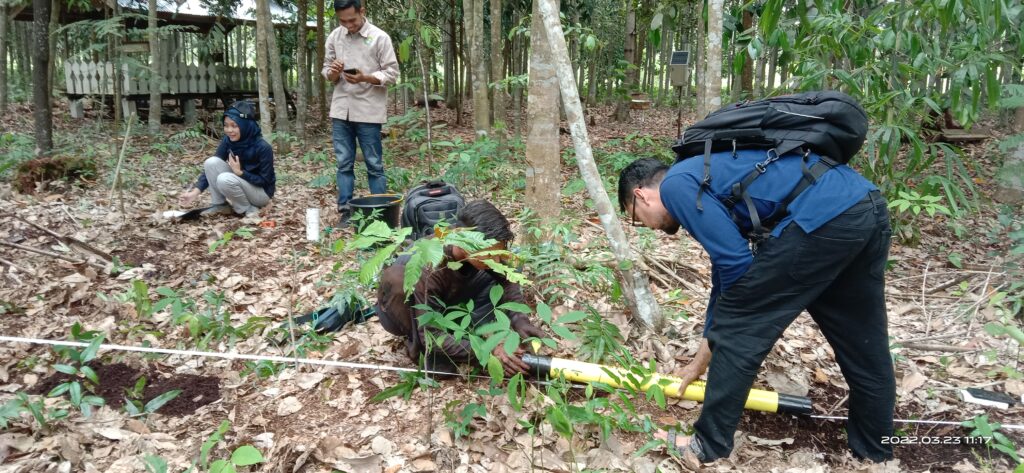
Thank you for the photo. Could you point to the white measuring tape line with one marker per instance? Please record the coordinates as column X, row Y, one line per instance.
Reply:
column 344, row 364
column 228, row 356
column 918, row 421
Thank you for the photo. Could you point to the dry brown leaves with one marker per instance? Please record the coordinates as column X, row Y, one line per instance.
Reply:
column 316, row 419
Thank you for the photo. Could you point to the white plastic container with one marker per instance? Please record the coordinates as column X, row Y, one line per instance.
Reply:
column 313, row 224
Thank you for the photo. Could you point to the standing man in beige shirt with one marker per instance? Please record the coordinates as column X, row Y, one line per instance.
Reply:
column 360, row 61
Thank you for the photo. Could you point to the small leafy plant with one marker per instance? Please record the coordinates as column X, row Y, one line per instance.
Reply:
column 244, row 232
column 35, row 406
column 83, row 378
column 989, row 431
column 134, row 406
column 244, row 455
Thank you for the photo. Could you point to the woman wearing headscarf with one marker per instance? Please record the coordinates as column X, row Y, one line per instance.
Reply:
column 240, row 174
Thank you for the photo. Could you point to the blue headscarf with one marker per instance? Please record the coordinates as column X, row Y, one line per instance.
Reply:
column 250, row 134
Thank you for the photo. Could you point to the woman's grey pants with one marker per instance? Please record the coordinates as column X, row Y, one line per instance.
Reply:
column 225, row 186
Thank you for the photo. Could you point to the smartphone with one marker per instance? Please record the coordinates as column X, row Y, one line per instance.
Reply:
column 351, row 71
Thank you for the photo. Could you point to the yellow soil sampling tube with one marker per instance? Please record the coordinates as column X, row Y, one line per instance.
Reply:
column 758, row 400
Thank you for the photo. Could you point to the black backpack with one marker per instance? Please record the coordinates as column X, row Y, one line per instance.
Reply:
column 831, row 124
column 428, row 204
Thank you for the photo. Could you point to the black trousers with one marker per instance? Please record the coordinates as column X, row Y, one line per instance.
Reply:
column 836, row 273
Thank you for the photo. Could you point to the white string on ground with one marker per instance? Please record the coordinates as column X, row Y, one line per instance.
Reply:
column 343, row 364
column 919, row 421
column 228, row 356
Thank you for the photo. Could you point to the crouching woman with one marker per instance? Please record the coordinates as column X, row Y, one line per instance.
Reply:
column 240, row 175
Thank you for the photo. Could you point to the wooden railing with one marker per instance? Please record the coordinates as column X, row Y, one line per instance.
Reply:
column 97, row 78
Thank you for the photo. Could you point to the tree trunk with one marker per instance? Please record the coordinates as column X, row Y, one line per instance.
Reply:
column 635, row 283
column 700, row 62
column 3, row 58
column 592, row 80
column 747, row 77
column 448, row 58
column 497, row 64
column 26, row 51
column 42, row 114
column 543, row 160
column 51, row 64
column 759, row 78
column 262, row 69
column 154, row 73
column 713, row 78
column 622, row 110
column 517, row 90
column 773, row 61
column 473, row 14
column 301, row 69
column 274, row 63
column 115, row 56
column 321, row 46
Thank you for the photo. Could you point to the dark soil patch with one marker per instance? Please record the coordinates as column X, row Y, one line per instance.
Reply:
column 196, row 391
column 136, row 255
column 118, row 378
column 934, row 448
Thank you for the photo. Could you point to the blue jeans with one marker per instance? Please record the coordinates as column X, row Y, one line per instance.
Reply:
column 344, row 135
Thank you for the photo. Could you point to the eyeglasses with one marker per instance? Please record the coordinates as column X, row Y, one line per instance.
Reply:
column 632, row 214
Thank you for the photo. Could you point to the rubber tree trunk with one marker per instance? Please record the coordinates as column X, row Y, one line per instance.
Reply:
column 635, row 283
column 301, row 68
column 497, row 63
column 321, row 51
column 273, row 57
column 40, row 92
column 51, row 64
column 262, row 69
column 154, row 73
column 473, row 14
column 700, row 62
column 622, row 110
column 3, row 58
column 543, row 160
column 713, row 78
column 747, row 75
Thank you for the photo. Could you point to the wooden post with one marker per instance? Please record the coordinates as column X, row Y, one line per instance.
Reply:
column 636, row 286
column 188, row 108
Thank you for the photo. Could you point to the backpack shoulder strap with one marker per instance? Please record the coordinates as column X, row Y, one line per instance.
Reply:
column 810, row 177
column 705, row 184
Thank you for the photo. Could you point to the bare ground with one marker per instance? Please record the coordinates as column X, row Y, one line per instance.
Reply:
column 316, row 419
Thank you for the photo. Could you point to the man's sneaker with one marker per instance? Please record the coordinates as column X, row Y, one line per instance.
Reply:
column 219, row 209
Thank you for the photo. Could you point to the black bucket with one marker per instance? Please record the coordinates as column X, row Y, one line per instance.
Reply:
column 389, row 207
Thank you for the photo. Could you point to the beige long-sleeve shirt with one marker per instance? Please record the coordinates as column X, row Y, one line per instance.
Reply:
column 370, row 50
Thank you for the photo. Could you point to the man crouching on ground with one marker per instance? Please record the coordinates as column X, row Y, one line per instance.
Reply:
column 442, row 287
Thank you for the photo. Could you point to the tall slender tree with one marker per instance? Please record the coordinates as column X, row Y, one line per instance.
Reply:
column 301, row 68
column 622, row 110
column 262, row 70
column 274, row 64
column 543, row 160
column 699, row 64
column 155, row 68
column 497, row 62
column 3, row 58
column 713, row 77
column 42, row 114
column 473, row 15
column 635, row 283
column 321, row 46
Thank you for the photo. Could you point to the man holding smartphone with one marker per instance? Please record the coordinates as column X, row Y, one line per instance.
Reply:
column 360, row 61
